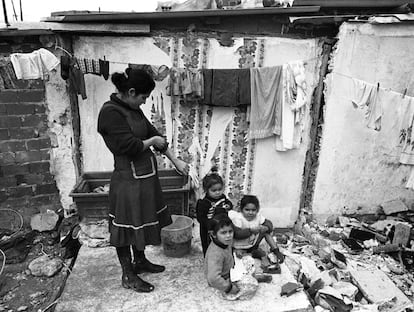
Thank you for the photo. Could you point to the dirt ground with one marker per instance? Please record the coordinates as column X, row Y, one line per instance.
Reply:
column 21, row 291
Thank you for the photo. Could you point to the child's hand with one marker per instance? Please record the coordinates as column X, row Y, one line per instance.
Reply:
column 234, row 289
column 263, row 229
column 255, row 230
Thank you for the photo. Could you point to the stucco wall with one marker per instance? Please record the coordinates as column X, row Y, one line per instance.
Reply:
column 277, row 175
column 358, row 166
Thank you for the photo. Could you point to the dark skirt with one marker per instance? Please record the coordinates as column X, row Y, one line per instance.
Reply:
column 137, row 210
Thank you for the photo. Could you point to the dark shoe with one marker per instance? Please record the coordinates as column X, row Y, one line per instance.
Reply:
column 272, row 269
column 144, row 265
column 258, row 253
column 263, row 278
column 136, row 283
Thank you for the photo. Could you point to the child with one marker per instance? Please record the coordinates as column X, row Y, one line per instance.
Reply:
column 250, row 228
column 219, row 257
column 214, row 203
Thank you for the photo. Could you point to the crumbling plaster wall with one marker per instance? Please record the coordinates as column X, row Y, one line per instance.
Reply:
column 61, row 134
column 358, row 166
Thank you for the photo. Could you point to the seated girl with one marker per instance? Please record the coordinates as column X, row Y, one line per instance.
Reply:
column 250, row 229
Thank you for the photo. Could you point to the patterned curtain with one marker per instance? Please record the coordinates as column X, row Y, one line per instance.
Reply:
column 191, row 122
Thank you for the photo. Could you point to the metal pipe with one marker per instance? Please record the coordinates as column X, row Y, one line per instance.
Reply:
column 5, row 13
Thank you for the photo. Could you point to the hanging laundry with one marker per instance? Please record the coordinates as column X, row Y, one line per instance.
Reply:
column 104, row 66
column 34, row 65
column 69, row 70
column 291, row 130
column 89, row 66
column 185, row 82
column 7, row 75
column 365, row 96
column 226, row 87
column 410, row 182
column 296, row 89
column 266, row 102
column 158, row 73
column 406, row 136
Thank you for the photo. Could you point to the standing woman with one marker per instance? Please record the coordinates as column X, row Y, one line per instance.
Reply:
column 137, row 210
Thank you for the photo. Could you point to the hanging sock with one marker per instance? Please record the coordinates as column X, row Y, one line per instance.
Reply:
column 104, row 67
column 64, row 67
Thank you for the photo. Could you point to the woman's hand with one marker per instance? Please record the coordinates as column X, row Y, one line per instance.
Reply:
column 181, row 166
column 263, row 229
column 159, row 142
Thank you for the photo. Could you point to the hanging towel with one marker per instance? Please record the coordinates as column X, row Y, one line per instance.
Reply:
column 34, row 65
column 406, row 136
column 226, row 87
column 104, row 67
column 266, row 101
column 410, row 182
column 365, row 96
column 77, row 80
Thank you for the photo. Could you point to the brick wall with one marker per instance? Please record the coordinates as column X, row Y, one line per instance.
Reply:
column 26, row 183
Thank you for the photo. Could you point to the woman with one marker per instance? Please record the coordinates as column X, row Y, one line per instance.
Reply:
column 137, row 210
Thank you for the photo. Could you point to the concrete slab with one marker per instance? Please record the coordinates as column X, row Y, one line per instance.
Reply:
column 95, row 285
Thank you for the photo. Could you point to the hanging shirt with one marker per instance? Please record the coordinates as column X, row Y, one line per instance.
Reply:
column 266, row 102
column 365, row 96
column 406, row 135
column 33, row 65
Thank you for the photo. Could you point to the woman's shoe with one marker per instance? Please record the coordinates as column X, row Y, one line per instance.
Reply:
column 145, row 266
column 136, row 283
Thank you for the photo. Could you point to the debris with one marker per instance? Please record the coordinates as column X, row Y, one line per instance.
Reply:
column 386, row 248
column 331, row 299
column 375, row 286
column 370, row 243
column 45, row 266
column 394, row 206
column 22, row 308
column 402, row 234
column 347, row 289
column 44, row 221
column 361, row 235
column 353, row 244
column 290, row 288
column 338, row 258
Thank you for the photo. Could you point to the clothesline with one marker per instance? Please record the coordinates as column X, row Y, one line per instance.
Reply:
column 403, row 94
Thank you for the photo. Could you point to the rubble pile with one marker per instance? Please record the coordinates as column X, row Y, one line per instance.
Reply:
column 358, row 262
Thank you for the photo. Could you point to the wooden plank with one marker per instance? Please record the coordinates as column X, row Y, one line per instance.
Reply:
column 44, row 28
column 377, row 287
column 401, row 234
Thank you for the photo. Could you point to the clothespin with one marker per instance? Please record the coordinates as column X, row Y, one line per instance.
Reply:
column 405, row 92
column 378, row 85
column 104, row 58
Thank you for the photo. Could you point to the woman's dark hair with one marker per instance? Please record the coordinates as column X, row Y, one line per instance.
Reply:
column 219, row 221
column 249, row 199
column 211, row 179
column 138, row 79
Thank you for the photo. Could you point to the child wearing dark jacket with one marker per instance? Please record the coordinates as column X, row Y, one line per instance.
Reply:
column 213, row 203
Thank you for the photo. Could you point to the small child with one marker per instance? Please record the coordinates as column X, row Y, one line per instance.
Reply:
column 250, row 228
column 219, row 256
column 214, row 203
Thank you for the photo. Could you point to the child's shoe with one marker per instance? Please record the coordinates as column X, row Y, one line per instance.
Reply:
column 262, row 278
column 272, row 269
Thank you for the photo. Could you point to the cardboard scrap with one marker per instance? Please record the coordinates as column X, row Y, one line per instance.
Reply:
column 375, row 286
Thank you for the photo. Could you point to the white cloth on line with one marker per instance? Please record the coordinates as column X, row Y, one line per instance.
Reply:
column 220, row 119
column 34, row 65
column 365, row 96
column 406, row 135
column 410, row 182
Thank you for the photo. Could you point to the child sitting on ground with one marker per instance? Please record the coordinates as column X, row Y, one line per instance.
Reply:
column 214, row 203
column 250, row 228
column 219, row 256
